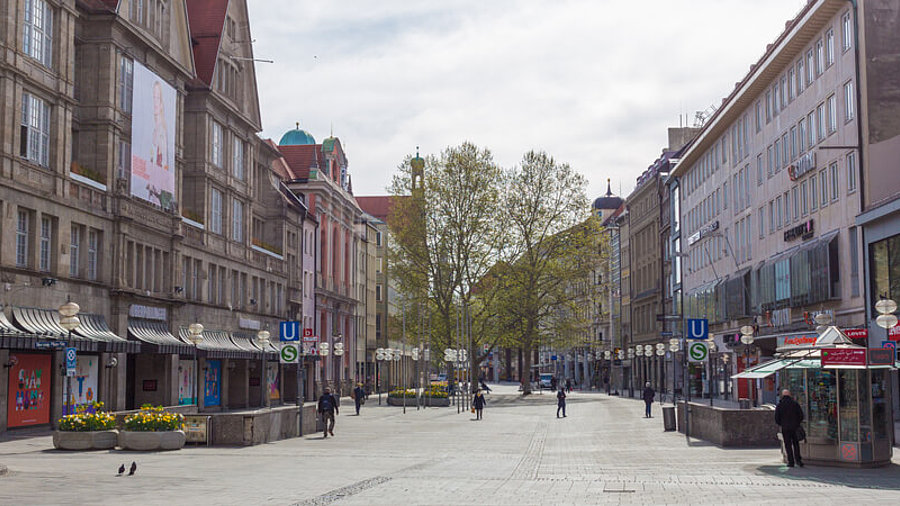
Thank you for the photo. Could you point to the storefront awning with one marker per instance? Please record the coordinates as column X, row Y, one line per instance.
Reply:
column 216, row 344
column 95, row 328
column 43, row 324
column 156, row 334
column 247, row 341
column 769, row 368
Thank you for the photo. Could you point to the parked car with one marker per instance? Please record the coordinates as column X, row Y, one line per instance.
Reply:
column 545, row 381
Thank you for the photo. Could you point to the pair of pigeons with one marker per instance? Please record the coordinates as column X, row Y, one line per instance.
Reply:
column 131, row 472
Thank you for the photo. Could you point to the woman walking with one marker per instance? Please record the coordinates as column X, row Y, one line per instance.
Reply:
column 478, row 403
column 561, row 403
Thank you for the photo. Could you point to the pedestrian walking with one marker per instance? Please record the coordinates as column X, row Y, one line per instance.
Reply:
column 789, row 415
column 568, row 386
column 478, row 403
column 561, row 402
column 328, row 407
column 359, row 396
column 648, row 396
column 606, row 383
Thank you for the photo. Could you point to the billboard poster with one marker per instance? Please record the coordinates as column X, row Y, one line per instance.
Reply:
column 213, row 380
column 29, row 390
column 186, row 377
column 153, row 138
column 272, row 381
column 84, row 384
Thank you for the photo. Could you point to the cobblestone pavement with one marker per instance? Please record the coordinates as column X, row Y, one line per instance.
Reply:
column 604, row 452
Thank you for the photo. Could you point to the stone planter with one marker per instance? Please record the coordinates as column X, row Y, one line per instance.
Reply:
column 427, row 401
column 98, row 440
column 151, row 441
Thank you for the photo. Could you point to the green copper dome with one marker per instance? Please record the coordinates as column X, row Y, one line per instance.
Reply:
column 296, row 137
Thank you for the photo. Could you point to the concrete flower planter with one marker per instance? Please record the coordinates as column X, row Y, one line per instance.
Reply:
column 427, row 401
column 151, row 441
column 99, row 440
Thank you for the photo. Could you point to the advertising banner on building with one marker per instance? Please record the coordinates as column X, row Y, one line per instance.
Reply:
column 272, row 381
column 186, row 382
column 84, row 384
column 153, row 138
column 213, row 380
column 28, row 401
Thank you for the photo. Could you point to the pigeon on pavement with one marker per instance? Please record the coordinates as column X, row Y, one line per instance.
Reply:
column 133, row 468
column 121, row 469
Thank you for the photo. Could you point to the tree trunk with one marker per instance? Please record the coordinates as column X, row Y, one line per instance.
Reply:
column 526, row 371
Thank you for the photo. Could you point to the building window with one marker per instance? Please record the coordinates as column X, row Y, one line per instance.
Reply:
column 23, row 233
column 378, row 293
column 792, row 85
column 759, row 169
column 832, row 113
column 835, row 182
column 811, row 124
column 813, row 195
column 787, row 208
column 378, row 238
column 38, row 32
column 854, row 262
column 215, row 211
column 35, row 130
column 779, row 212
column 820, row 57
column 829, row 47
column 795, row 198
column 846, row 31
column 810, row 67
column 126, row 83
column 218, row 144
column 804, row 198
column 851, row 172
column 93, row 253
column 823, row 184
column 771, row 217
column 123, row 162
column 74, row 251
column 793, row 150
column 768, row 106
column 237, row 158
column 801, row 74
column 801, row 135
column 820, row 122
column 46, row 249
column 758, row 116
column 849, row 101
column 761, row 222
column 777, row 155
column 237, row 220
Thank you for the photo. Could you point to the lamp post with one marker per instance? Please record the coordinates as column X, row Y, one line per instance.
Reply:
column 674, row 346
column 660, row 353
column 747, row 340
column 324, row 349
column 711, row 345
column 69, row 320
column 262, row 339
column 886, row 318
column 195, row 334
column 339, row 358
column 631, row 372
column 379, row 357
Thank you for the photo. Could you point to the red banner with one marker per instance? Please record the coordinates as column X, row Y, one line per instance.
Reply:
column 843, row 356
column 28, row 402
column 857, row 334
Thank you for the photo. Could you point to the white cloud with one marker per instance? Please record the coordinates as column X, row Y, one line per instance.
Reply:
column 594, row 83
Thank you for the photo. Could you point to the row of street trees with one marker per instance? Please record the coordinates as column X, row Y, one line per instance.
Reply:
column 517, row 247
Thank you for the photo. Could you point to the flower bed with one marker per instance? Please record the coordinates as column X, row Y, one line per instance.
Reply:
column 152, row 429
column 88, row 429
column 434, row 396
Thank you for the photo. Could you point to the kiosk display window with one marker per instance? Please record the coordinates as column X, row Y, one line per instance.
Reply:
column 848, row 402
column 882, row 424
column 822, row 414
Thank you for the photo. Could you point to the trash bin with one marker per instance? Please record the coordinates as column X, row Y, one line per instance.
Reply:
column 744, row 403
column 669, row 418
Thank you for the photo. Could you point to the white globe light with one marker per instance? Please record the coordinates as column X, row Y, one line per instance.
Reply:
column 886, row 321
column 639, row 351
column 648, row 349
column 747, row 330
column 661, row 346
column 747, row 339
column 885, row 306
column 660, row 351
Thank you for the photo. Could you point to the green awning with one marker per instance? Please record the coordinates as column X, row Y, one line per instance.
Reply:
column 769, row 368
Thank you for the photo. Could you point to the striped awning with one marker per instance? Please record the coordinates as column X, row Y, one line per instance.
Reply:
column 43, row 325
column 216, row 344
column 156, row 334
column 247, row 341
column 95, row 328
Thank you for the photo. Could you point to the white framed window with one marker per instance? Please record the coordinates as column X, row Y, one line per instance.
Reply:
column 787, row 208
column 35, row 130
column 46, row 249
column 831, row 108
column 23, row 237
column 126, row 83
column 792, row 85
column 770, row 161
column 123, row 162
column 793, row 137
column 771, row 216
column 801, row 135
column 38, row 31
column 829, row 47
column 237, row 220
column 795, row 199
column 237, row 158
column 779, row 212
column 759, row 169
column 777, row 155
column 215, row 211
column 810, row 67
column 93, row 253
column 820, row 122
column 846, row 31
column 75, row 251
column 835, row 181
column 813, row 195
column 851, row 172
column 378, row 238
column 768, row 106
column 761, row 222
column 823, row 185
column 801, row 75
column 820, row 57
column 378, row 293
column 849, row 101
column 804, row 197
column 218, row 144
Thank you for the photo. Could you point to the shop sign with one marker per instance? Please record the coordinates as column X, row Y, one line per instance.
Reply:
column 881, row 356
column 703, row 232
column 803, row 231
column 804, row 165
column 247, row 323
column 147, row 312
column 843, row 356
column 857, row 334
column 894, row 333
column 781, row 317
column 49, row 345
column 28, row 401
column 798, row 341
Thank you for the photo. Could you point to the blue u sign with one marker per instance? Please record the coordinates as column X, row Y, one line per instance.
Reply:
column 290, row 331
column 698, row 328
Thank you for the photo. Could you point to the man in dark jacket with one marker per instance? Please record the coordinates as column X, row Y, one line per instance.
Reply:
column 478, row 403
column 328, row 407
column 648, row 396
column 789, row 415
column 561, row 403
column 359, row 396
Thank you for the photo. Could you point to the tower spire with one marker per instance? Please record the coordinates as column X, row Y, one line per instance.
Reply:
column 608, row 187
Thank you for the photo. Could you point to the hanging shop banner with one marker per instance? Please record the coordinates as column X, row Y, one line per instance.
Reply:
column 213, row 380
column 844, row 357
column 84, row 384
column 29, row 390
column 186, row 382
column 272, row 381
column 153, row 138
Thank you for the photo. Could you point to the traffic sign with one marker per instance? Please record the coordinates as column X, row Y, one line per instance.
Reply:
column 310, row 339
column 308, row 332
column 290, row 332
column 289, row 353
column 698, row 328
column 698, row 352
column 889, row 344
column 71, row 361
column 666, row 333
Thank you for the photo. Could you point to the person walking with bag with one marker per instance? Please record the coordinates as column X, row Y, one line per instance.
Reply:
column 328, row 407
column 561, row 402
column 359, row 396
column 648, row 396
column 478, row 403
column 789, row 415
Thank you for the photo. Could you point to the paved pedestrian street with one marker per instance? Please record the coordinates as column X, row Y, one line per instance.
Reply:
column 604, row 452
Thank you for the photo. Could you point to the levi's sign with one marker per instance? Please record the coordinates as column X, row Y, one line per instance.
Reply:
column 844, row 356
column 805, row 164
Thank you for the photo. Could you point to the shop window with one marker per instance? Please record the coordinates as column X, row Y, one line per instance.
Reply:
column 822, row 416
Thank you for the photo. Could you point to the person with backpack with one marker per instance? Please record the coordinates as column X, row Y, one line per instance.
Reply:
column 328, row 407
column 648, row 396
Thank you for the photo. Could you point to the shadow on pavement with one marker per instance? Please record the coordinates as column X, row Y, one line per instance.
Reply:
column 882, row 478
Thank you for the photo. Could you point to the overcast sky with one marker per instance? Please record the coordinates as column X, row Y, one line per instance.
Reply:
column 595, row 83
